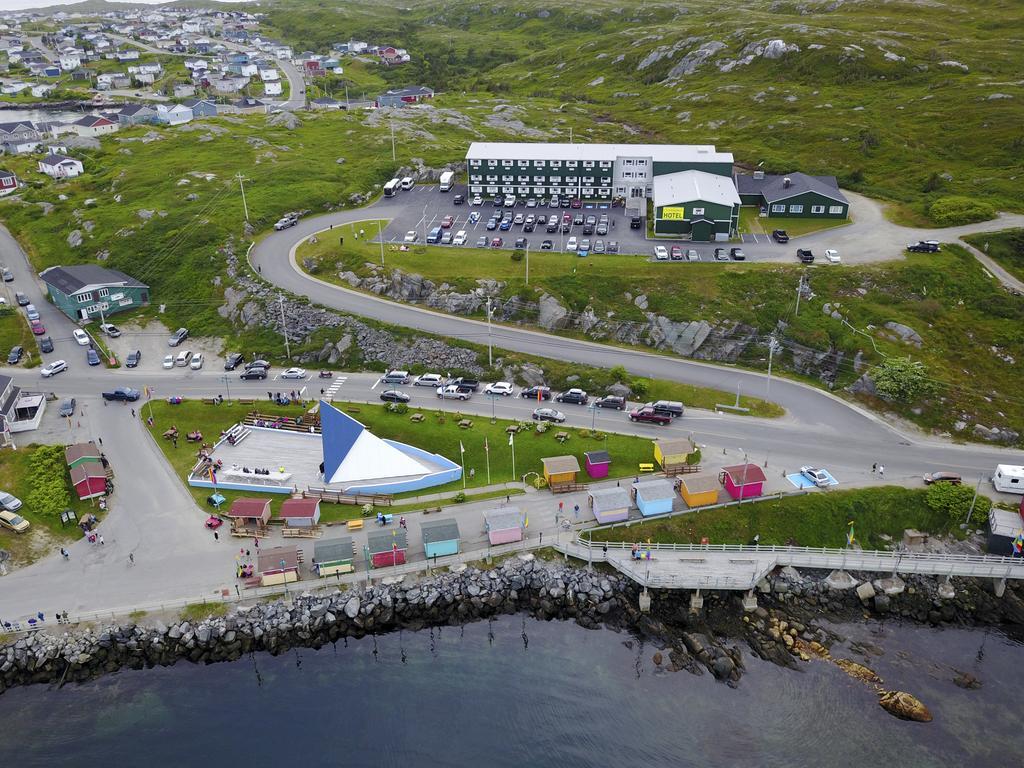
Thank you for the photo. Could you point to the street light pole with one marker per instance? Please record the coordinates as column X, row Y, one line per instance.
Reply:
column 380, row 236
column 975, row 499
column 771, row 351
column 284, row 328
column 225, row 379
column 490, row 351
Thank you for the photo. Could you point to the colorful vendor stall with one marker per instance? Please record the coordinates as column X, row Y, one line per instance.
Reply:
column 333, row 556
column 440, row 537
column 654, row 496
column 387, row 547
column 597, row 463
column 699, row 490
column 503, row 525
column 743, row 481
column 278, row 565
column 610, row 505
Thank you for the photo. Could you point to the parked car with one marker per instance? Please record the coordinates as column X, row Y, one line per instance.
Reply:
column 37, row 327
column 287, row 221
column 721, row 255
column 671, row 408
column 598, row 246
column 481, row 242
column 521, row 242
column 497, row 242
column 8, row 275
column 575, row 203
column 14, row 522
column 737, row 254
column 503, row 388
column 428, row 380
column 123, row 394
column 571, row 244
column 9, row 501
column 536, row 392
column 46, row 344
column 474, row 217
column 531, row 202
column 611, row 401
column 692, row 254
column 15, row 355
column 548, row 414
column 505, row 226
column 447, row 221
column 447, row 236
column 253, row 374
column 546, row 245
column 661, row 253
column 519, row 219
column 21, row 298
column 31, row 312
column 675, row 253
column 924, row 246
column 478, row 200
column 451, row 392
column 649, row 416
column 411, row 236
column 196, row 363
column 460, row 238
column 184, row 358
column 233, row 360
column 394, row 396
column 92, row 357
column 458, row 200
column 176, row 338
column 805, row 256
column 636, row 222
column 613, row 246
column 492, row 224
column 465, row 383
column 943, row 477
column 133, row 360
column 67, row 407
column 294, row 373
column 395, row 377
column 111, row 330
column 257, row 364
column 780, row 236
column 575, row 395
column 832, row 256
column 817, row 476
column 53, row 368
column 168, row 361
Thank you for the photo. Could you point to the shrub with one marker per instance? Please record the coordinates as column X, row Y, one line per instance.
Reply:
column 955, row 501
column 459, row 498
column 902, row 379
column 640, row 387
column 49, row 494
column 693, row 458
column 542, row 427
column 954, row 211
column 517, row 254
column 399, row 408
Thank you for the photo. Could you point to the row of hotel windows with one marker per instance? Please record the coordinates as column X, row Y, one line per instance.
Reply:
column 781, row 208
column 585, row 192
column 476, row 177
column 540, row 163
column 84, row 298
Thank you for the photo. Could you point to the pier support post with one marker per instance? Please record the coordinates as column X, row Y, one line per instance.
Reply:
column 645, row 601
column 749, row 602
column 1000, row 587
column 946, row 591
column 696, row 602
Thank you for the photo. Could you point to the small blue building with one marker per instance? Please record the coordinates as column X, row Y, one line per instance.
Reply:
column 440, row 537
column 653, row 497
column 201, row 107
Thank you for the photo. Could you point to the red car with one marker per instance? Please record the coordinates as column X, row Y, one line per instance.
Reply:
column 650, row 416
column 37, row 327
column 497, row 242
column 576, row 203
column 447, row 222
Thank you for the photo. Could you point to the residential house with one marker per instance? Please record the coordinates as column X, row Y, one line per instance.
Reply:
column 20, row 137
column 325, row 103
column 391, row 56
column 312, row 68
column 19, row 411
column 61, row 166
column 8, row 182
column 127, row 54
column 173, row 114
column 201, row 107
column 356, row 46
column 282, row 52
column 14, row 87
column 94, row 125
column 268, row 72
column 228, row 84
column 136, row 114
column 250, row 106
column 194, row 64
column 273, row 88
column 795, row 194
column 144, row 78
column 83, row 290
column 69, row 61
column 41, row 90
column 402, row 96
column 83, row 75
column 181, row 90
column 50, row 70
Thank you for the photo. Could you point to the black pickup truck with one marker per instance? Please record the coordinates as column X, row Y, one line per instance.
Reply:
column 125, row 394
column 465, row 385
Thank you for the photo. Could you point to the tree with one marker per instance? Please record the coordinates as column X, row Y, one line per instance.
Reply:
column 901, row 379
column 955, row 502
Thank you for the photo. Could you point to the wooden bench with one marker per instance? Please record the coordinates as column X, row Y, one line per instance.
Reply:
column 352, row 409
column 646, row 467
column 245, row 401
column 428, row 510
column 354, row 525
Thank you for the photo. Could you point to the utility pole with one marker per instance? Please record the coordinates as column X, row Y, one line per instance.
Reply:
column 346, row 94
column 527, row 263
column 490, row 356
column 771, row 351
column 241, row 186
column 393, row 140
column 971, row 510
column 284, row 328
column 380, row 236
column 799, row 292
column 227, row 383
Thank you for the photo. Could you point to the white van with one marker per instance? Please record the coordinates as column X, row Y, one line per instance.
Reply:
column 407, row 182
column 197, row 361
column 446, row 181
column 1008, row 478
column 184, row 358
column 391, row 188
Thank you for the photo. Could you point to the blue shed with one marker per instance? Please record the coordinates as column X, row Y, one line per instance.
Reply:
column 654, row 497
column 440, row 537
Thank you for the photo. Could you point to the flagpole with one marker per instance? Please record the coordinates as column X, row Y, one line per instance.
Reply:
column 487, row 453
column 462, row 455
column 512, row 442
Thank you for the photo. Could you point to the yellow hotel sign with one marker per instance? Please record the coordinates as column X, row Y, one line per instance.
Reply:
column 673, row 214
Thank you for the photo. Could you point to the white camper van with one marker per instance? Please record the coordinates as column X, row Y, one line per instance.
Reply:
column 1008, row 478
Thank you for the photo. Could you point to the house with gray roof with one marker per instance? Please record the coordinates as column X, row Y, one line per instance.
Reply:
column 793, row 194
column 83, row 291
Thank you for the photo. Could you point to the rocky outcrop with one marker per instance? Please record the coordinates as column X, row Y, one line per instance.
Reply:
column 904, row 333
column 692, row 61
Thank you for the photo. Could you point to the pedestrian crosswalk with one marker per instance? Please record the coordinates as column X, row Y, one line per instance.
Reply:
column 332, row 390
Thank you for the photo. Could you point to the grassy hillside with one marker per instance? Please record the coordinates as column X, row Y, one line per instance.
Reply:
column 906, row 101
column 1007, row 248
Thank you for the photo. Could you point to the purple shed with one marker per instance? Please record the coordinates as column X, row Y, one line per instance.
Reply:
column 597, row 463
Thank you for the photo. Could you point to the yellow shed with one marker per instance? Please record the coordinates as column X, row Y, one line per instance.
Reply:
column 560, row 469
column 672, row 452
column 699, row 490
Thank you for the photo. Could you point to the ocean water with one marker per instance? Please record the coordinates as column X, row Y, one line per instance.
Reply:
column 517, row 692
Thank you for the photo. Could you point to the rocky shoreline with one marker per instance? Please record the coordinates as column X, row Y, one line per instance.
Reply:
column 790, row 626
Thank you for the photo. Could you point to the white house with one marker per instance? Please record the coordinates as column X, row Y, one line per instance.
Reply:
column 272, row 88
column 144, row 78
column 14, row 87
column 61, row 166
column 128, row 54
column 69, row 61
column 173, row 114
column 146, row 69
column 94, row 125
column 268, row 72
column 192, row 64
column 41, row 90
column 282, row 52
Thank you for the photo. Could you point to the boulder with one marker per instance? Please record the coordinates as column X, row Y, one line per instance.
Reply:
column 551, row 314
column 905, row 333
column 904, row 706
column 74, row 238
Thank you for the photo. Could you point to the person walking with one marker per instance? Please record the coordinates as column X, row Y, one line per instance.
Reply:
column 131, row 558
column 881, row 470
column 576, row 511
column 216, row 536
column 874, row 468
column 100, row 439
column 604, row 549
column 101, row 539
column 256, row 543
column 270, row 395
column 65, row 554
column 133, row 413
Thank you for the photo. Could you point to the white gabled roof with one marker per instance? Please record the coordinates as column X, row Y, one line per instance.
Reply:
column 663, row 153
column 686, row 186
column 371, row 458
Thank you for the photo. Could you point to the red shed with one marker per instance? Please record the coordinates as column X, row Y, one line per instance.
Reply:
column 742, row 481
column 249, row 516
column 89, row 479
column 387, row 547
column 300, row 513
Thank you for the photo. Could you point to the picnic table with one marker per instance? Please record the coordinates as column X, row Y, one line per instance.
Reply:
column 417, row 417
column 171, row 433
column 562, row 437
column 465, row 424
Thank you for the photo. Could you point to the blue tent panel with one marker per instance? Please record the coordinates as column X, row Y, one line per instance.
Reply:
column 339, row 433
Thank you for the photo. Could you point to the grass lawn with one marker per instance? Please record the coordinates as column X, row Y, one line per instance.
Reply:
column 752, row 223
column 14, row 330
column 46, row 530
column 438, row 433
column 812, row 520
column 1006, row 248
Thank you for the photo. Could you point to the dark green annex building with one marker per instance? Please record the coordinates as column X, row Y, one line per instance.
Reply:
column 702, row 205
column 84, row 291
column 795, row 194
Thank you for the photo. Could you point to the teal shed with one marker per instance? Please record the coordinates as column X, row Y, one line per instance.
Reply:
column 440, row 537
